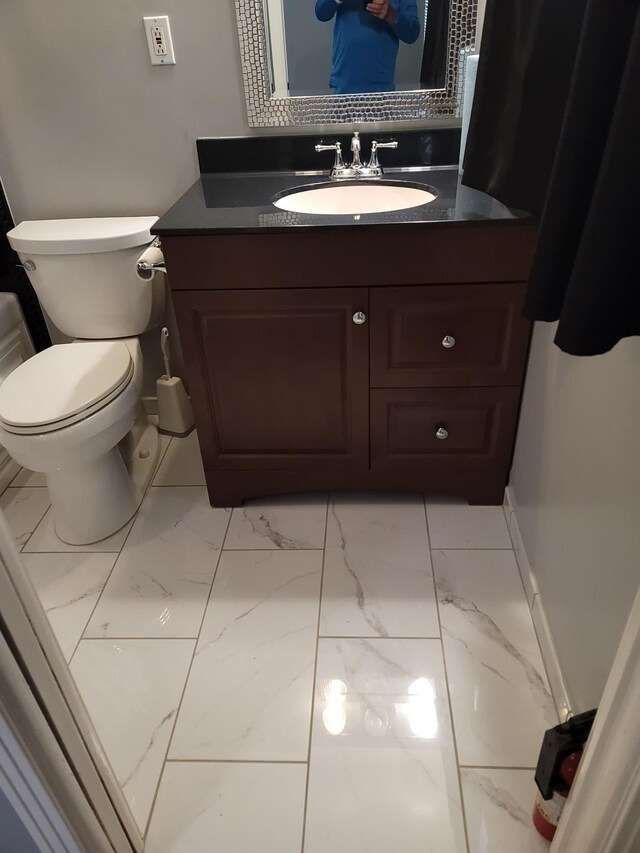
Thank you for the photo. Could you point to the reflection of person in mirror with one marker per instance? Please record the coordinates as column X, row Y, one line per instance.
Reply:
column 366, row 37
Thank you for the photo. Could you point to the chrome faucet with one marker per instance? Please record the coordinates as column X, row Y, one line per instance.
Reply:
column 355, row 150
column 356, row 169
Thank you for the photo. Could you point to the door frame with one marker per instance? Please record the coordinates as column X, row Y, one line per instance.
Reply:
column 603, row 810
column 42, row 706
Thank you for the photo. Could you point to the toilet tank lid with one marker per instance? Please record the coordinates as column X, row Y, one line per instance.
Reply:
column 81, row 236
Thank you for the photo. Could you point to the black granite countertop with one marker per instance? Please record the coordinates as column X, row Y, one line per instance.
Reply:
column 230, row 203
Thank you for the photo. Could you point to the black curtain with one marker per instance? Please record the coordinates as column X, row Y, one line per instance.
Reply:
column 436, row 43
column 555, row 129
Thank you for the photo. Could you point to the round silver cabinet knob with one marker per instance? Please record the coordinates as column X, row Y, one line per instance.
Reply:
column 359, row 318
column 448, row 341
column 442, row 433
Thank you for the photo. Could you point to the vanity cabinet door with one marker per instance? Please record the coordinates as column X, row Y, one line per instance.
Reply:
column 279, row 379
column 452, row 335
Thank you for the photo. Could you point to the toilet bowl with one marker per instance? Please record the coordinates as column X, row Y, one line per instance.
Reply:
column 74, row 411
column 51, row 422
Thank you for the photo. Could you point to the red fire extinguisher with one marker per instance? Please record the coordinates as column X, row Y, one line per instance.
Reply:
column 547, row 813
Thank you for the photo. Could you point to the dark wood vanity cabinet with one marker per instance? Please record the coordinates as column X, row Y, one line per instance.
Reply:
column 343, row 379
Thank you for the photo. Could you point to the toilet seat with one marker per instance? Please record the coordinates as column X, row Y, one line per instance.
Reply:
column 63, row 385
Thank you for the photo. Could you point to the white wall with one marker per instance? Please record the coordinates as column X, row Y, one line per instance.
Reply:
column 576, row 482
column 89, row 127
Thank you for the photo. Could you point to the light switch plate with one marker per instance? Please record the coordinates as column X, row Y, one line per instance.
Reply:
column 159, row 41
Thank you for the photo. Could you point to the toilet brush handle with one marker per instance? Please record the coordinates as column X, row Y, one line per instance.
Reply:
column 164, row 346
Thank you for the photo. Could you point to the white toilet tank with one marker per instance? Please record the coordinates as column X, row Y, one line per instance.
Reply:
column 84, row 273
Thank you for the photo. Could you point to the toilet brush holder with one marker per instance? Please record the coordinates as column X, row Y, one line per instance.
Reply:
column 175, row 415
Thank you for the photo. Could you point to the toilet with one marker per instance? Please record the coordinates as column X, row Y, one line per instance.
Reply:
column 74, row 411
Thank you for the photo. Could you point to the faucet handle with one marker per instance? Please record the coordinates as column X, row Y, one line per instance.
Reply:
column 373, row 166
column 338, row 165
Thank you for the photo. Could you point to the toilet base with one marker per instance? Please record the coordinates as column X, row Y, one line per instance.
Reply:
column 94, row 500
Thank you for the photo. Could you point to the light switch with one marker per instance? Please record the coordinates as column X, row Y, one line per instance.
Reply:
column 158, row 32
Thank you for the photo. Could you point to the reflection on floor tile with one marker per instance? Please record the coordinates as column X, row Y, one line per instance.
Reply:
column 45, row 540
column 378, row 580
column 500, row 697
column 68, row 586
column 383, row 772
column 161, row 582
column 460, row 526
column 231, row 808
column 250, row 688
column 133, row 704
column 23, row 509
column 279, row 523
column 498, row 806
column 182, row 464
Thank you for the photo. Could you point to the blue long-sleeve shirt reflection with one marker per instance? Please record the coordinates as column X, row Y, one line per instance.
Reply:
column 365, row 49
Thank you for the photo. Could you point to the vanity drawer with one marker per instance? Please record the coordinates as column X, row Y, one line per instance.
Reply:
column 453, row 335
column 421, row 427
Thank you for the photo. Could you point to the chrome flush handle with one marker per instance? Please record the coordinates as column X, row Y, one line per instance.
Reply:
column 27, row 266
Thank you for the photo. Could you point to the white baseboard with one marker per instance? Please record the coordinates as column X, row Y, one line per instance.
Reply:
column 538, row 614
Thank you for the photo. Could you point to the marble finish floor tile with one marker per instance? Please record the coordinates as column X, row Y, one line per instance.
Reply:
column 24, row 509
column 498, row 806
column 226, row 807
column 250, row 689
column 378, row 580
column 45, row 540
column 499, row 692
column 461, row 526
column 24, row 477
column 296, row 523
column 132, row 690
column 383, row 774
column 68, row 586
column 161, row 582
column 182, row 463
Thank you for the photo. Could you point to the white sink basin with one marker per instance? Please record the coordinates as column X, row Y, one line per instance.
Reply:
column 355, row 198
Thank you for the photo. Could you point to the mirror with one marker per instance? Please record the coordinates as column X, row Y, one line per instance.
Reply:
column 322, row 47
column 330, row 61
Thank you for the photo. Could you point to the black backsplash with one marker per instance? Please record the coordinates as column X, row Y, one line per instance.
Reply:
column 296, row 153
column 13, row 279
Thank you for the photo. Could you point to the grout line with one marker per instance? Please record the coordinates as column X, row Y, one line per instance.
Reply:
column 121, row 637
column 376, row 637
column 472, row 549
column 315, row 676
column 21, row 548
column 117, row 555
column 234, row 761
column 274, row 550
column 446, row 681
column 494, row 767
column 76, row 551
column 186, row 681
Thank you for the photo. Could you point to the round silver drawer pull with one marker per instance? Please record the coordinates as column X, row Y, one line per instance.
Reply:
column 442, row 433
column 359, row 318
column 448, row 341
